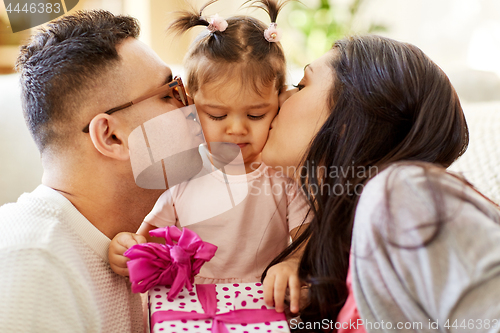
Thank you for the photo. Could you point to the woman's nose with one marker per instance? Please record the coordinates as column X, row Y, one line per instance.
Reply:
column 285, row 93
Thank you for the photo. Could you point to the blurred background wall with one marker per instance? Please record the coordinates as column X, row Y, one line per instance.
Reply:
column 462, row 36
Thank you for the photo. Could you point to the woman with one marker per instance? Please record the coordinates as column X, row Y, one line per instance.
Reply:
column 372, row 127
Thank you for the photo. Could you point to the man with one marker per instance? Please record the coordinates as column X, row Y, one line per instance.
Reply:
column 55, row 275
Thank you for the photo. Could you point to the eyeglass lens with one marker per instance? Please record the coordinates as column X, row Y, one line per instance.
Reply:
column 178, row 94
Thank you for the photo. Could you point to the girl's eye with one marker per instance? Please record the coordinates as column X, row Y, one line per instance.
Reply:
column 216, row 117
column 299, row 86
column 256, row 117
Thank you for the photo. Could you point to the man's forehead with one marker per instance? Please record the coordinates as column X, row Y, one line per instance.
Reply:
column 138, row 71
column 139, row 64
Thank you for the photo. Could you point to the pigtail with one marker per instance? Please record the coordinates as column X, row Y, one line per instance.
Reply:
column 206, row 5
column 271, row 7
column 190, row 18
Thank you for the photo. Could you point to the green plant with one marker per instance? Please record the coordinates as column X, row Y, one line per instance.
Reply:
column 318, row 26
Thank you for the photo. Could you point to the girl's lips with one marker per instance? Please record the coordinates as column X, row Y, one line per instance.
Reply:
column 242, row 145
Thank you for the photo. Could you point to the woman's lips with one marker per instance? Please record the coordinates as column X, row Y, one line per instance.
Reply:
column 242, row 145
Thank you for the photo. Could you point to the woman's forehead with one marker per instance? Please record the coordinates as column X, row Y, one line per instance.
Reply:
column 322, row 61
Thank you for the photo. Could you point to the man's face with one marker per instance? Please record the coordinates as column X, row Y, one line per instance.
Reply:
column 140, row 71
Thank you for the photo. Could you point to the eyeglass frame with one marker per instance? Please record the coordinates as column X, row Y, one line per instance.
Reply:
column 175, row 83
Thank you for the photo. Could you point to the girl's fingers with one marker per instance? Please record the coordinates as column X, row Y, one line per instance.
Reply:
column 280, row 285
column 294, row 285
column 118, row 264
column 127, row 239
column 269, row 289
column 123, row 271
column 139, row 239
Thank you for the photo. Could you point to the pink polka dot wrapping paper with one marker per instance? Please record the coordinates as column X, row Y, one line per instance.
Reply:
column 230, row 297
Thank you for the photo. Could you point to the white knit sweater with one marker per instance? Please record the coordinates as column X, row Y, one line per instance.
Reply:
column 54, row 271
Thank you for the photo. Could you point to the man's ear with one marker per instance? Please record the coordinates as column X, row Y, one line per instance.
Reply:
column 109, row 136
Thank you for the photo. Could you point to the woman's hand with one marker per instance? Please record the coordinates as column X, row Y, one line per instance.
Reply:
column 280, row 277
column 121, row 243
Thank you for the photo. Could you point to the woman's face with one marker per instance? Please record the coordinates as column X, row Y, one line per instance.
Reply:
column 300, row 117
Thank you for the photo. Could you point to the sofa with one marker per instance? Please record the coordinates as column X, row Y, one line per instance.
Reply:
column 20, row 166
column 21, row 170
column 480, row 164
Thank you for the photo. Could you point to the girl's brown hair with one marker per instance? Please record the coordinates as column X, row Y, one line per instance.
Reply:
column 239, row 51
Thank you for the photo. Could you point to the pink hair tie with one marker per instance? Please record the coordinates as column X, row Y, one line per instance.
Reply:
column 217, row 24
column 272, row 34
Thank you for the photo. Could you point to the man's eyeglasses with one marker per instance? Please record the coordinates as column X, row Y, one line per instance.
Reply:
column 178, row 92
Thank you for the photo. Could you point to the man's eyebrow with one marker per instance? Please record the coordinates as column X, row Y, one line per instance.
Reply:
column 169, row 78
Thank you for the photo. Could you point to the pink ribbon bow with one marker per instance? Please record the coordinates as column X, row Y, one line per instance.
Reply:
column 174, row 264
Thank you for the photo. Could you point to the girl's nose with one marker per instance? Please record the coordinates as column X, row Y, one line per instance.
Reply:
column 237, row 127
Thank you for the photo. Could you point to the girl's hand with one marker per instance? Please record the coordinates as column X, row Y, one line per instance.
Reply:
column 121, row 243
column 278, row 278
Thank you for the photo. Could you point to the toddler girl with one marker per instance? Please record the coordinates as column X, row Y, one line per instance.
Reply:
column 235, row 70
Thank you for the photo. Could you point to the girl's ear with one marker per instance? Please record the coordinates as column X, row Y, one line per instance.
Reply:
column 109, row 137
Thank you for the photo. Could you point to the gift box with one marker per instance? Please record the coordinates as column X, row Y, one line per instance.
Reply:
column 214, row 308
column 185, row 307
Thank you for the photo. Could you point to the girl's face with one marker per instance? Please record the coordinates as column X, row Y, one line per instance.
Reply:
column 234, row 113
column 300, row 117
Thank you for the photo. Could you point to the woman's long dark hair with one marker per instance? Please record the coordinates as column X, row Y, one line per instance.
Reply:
column 389, row 103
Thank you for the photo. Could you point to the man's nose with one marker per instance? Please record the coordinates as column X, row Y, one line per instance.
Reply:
column 192, row 120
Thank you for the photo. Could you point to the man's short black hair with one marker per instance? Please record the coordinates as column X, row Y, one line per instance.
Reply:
column 60, row 61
